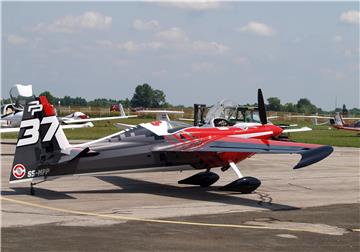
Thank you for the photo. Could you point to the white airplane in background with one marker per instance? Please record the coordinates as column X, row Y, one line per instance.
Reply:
column 336, row 121
column 161, row 115
column 11, row 114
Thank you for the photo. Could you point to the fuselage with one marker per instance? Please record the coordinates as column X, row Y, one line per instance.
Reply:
column 141, row 147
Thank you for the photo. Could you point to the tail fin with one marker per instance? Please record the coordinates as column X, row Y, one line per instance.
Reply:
column 41, row 141
column 121, row 108
column 338, row 120
column 314, row 119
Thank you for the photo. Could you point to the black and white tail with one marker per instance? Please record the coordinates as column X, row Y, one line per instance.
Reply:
column 41, row 144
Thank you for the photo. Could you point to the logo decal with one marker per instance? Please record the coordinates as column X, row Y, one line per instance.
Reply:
column 19, row 171
column 35, row 107
column 156, row 123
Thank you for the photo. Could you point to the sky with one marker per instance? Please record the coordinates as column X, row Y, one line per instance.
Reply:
column 194, row 52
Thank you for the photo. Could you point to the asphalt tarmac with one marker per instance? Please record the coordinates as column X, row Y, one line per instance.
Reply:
column 313, row 209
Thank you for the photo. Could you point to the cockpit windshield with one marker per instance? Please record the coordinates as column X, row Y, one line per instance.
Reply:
column 175, row 126
column 20, row 94
column 223, row 109
column 232, row 112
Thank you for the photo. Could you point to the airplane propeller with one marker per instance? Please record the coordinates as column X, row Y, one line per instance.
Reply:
column 262, row 110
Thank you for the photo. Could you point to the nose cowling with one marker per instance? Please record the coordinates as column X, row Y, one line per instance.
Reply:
column 276, row 130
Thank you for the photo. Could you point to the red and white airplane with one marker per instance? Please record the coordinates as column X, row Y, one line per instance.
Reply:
column 44, row 153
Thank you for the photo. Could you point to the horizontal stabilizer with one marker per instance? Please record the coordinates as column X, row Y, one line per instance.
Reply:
column 73, row 153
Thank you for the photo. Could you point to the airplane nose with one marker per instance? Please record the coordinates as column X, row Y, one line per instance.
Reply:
column 277, row 130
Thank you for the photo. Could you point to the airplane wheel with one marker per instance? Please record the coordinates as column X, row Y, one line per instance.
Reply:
column 203, row 179
column 243, row 185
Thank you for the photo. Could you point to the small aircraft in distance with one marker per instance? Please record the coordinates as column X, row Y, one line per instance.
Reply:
column 11, row 114
column 337, row 121
column 43, row 151
column 161, row 115
column 228, row 113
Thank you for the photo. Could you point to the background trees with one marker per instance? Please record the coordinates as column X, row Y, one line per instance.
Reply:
column 305, row 106
column 146, row 96
column 274, row 104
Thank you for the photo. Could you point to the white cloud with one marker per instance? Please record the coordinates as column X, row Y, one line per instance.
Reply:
column 337, row 38
column 139, row 24
column 60, row 50
column 123, row 62
column 133, row 47
column 202, row 67
column 16, row 40
column 159, row 73
column 241, row 60
column 333, row 73
column 174, row 34
column 193, row 5
column 90, row 20
column 258, row 28
column 181, row 41
column 350, row 17
column 104, row 43
column 205, row 47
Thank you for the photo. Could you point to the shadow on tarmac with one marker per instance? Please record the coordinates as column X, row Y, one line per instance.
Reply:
column 128, row 185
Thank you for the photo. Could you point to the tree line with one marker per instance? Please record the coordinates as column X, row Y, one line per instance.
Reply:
column 147, row 97
column 304, row 106
column 144, row 96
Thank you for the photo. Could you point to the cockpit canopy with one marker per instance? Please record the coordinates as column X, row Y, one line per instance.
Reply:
column 232, row 112
column 20, row 95
column 174, row 126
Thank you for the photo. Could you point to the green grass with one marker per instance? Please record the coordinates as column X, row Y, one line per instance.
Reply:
column 319, row 135
column 327, row 135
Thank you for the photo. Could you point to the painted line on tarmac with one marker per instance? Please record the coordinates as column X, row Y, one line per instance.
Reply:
column 118, row 217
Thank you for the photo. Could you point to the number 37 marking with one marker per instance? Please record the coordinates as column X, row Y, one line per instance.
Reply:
column 32, row 134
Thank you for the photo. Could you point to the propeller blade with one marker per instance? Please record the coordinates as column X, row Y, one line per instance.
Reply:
column 261, row 105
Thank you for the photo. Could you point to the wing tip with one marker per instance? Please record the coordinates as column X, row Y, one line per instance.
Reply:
column 314, row 155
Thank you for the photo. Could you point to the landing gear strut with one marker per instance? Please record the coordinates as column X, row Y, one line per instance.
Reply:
column 32, row 189
column 243, row 184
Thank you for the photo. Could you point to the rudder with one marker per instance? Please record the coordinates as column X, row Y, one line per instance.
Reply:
column 41, row 141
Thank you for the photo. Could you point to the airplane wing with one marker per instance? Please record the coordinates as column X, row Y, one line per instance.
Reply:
column 78, row 126
column 310, row 153
column 312, row 116
column 71, row 121
column 186, row 119
column 351, row 118
column 124, row 125
column 9, row 130
column 161, row 111
column 297, row 130
column 75, row 126
column 161, row 115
